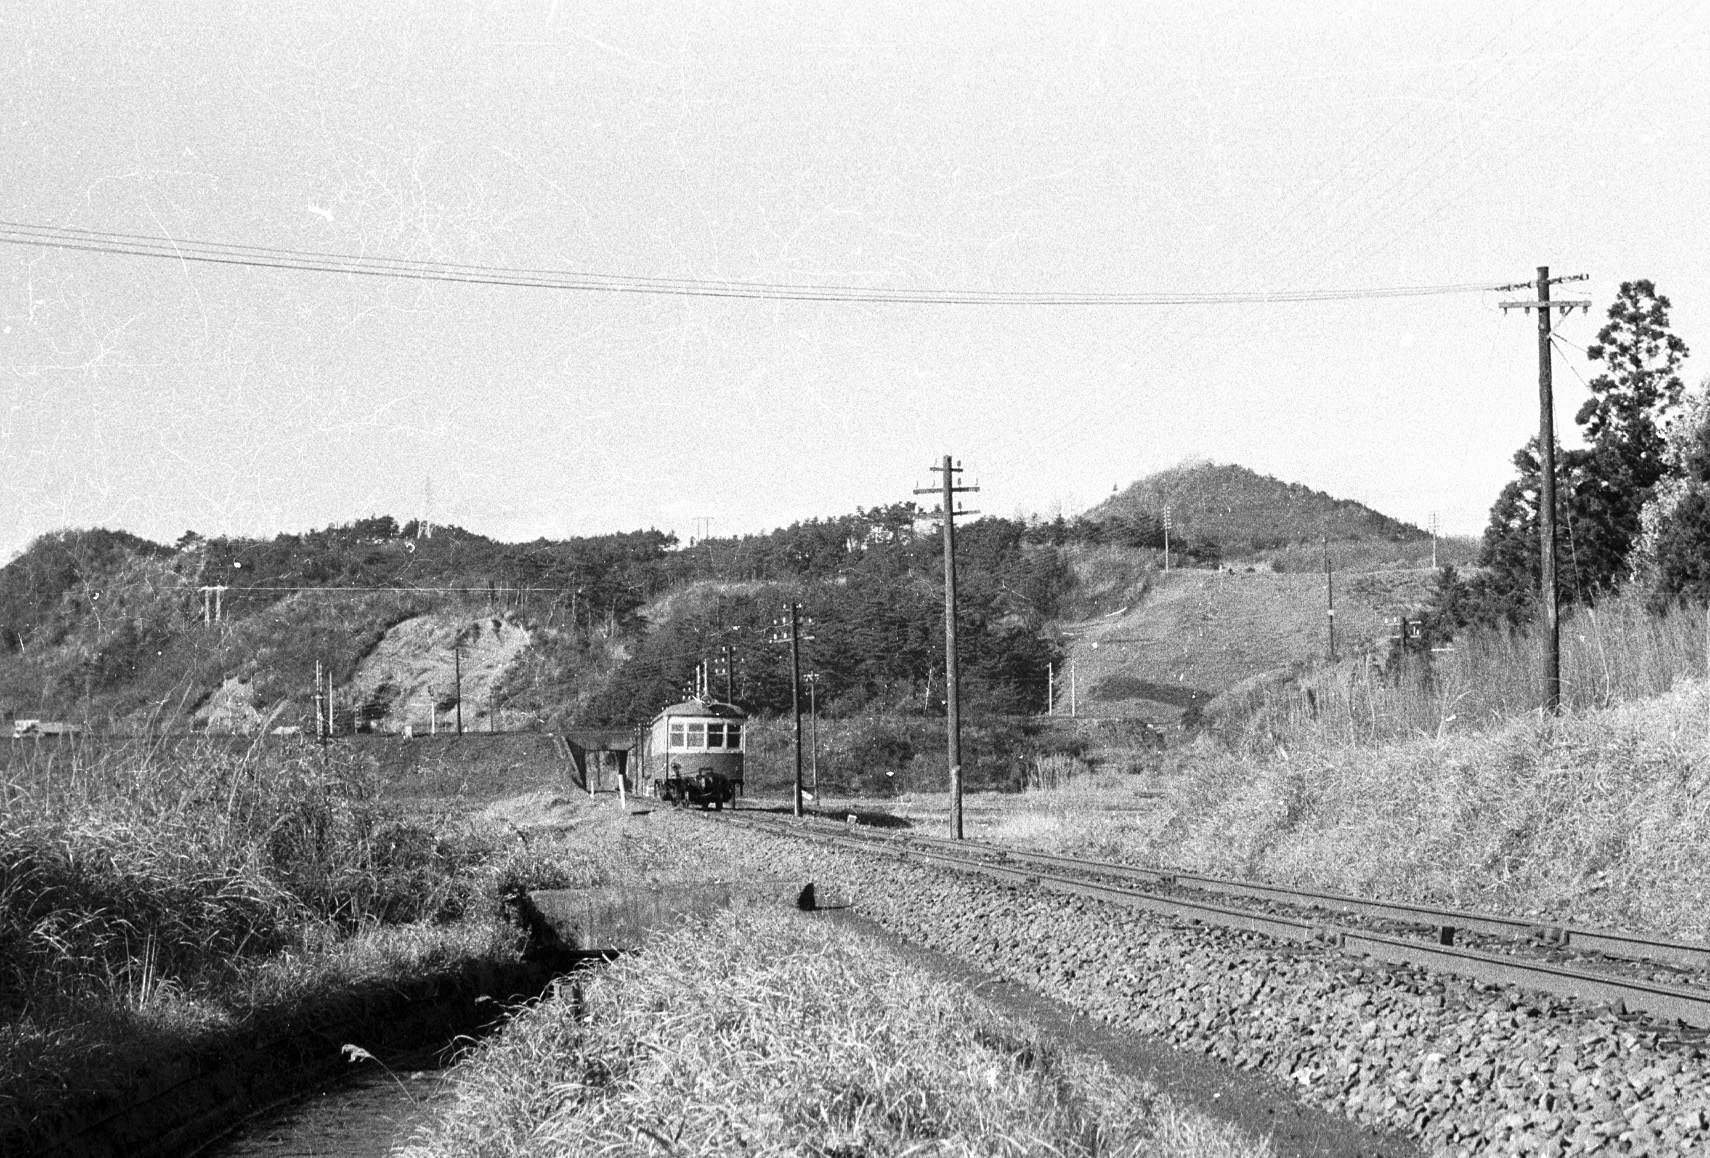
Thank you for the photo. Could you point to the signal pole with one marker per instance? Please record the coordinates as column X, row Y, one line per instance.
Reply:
column 948, row 490
column 1548, row 591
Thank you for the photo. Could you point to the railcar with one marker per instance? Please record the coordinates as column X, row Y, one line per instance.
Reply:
column 692, row 753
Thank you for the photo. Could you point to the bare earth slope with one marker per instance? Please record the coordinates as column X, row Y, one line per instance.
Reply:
column 1197, row 633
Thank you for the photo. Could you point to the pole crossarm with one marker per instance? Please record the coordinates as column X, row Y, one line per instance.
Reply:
column 1565, row 305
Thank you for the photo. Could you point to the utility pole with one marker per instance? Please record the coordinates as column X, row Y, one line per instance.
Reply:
column 813, row 742
column 1050, row 689
column 457, row 667
column 948, row 491
column 1166, row 538
column 1548, row 590
column 793, row 625
column 1433, row 540
column 1330, row 599
column 320, row 724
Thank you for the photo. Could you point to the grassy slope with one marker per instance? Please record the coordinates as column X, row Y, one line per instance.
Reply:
column 1600, row 817
column 820, row 1042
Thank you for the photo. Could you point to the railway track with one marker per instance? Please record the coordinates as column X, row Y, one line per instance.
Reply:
column 1404, row 934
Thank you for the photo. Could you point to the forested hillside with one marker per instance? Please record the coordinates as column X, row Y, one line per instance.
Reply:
column 1243, row 511
column 104, row 628
column 111, row 631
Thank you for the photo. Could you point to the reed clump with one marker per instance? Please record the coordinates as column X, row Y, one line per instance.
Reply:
column 761, row 1032
column 151, row 894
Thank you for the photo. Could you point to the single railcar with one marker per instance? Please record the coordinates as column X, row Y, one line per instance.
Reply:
column 692, row 753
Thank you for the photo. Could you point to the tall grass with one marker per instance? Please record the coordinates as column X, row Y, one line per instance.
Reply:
column 149, row 894
column 1615, row 652
column 766, row 1033
column 1599, row 817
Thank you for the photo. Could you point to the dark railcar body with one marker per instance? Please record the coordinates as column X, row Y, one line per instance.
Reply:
column 692, row 753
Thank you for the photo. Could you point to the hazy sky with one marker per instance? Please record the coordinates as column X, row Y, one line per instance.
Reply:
column 1131, row 147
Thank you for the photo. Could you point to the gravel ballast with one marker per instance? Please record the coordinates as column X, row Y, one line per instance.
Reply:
column 1467, row 1069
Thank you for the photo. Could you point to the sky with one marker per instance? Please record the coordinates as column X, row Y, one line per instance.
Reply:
column 1171, row 149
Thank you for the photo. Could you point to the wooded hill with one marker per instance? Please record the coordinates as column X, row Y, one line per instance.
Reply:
column 107, row 629
column 1244, row 512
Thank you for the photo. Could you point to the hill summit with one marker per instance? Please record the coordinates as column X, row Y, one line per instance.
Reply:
column 1241, row 510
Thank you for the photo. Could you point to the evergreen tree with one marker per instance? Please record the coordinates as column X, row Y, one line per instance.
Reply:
column 1603, row 488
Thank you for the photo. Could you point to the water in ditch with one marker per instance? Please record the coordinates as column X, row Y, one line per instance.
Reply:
column 363, row 1116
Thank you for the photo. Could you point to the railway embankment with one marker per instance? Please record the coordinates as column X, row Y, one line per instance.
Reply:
column 1467, row 1068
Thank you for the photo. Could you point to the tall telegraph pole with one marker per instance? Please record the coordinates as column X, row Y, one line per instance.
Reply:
column 1548, row 591
column 792, row 624
column 1329, row 600
column 457, row 667
column 948, row 490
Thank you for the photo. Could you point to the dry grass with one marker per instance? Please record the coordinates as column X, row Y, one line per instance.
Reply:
column 1610, row 654
column 812, row 1042
column 152, row 899
column 1599, row 817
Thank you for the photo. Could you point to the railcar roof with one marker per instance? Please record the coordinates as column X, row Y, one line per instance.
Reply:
column 704, row 709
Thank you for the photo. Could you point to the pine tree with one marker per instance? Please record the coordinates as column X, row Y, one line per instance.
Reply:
column 1603, row 488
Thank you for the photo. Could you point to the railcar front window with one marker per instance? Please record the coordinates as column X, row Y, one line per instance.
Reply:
column 697, row 735
column 676, row 735
column 715, row 735
column 733, row 735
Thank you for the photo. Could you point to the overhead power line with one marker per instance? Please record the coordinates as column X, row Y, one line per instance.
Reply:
column 264, row 257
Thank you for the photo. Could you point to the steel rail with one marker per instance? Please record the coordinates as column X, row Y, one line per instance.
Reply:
column 1611, row 942
column 1691, row 1007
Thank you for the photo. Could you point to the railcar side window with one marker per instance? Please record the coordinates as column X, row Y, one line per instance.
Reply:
column 697, row 736
column 733, row 735
column 676, row 735
column 715, row 735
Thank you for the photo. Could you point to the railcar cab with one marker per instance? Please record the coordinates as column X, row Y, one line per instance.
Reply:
column 695, row 753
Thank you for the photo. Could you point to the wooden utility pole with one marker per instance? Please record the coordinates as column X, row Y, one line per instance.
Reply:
column 1166, row 538
column 1330, row 599
column 796, row 697
column 813, row 740
column 792, row 624
column 1548, row 589
column 948, row 490
column 457, row 668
